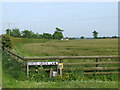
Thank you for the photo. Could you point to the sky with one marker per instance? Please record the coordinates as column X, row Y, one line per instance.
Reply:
column 75, row 18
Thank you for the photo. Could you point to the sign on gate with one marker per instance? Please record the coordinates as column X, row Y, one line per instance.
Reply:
column 41, row 64
column 60, row 66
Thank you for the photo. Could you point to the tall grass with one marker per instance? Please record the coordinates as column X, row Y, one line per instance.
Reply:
column 84, row 47
column 19, row 42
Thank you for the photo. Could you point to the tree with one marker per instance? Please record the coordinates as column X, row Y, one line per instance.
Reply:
column 114, row 36
column 40, row 36
column 27, row 34
column 15, row 32
column 8, row 31
column 82, row 37
column 95, row 34
column 47, row 36
column 58, row 33
column 59, row 30
column 35, row 35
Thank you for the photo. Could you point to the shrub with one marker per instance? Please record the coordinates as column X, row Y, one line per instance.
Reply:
column 13, row 67
column 6, row 41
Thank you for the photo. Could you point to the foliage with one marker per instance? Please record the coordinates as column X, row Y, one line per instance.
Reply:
column 114, row 37
column 82, row 37
column 103, row 77
column 27, row 34
column 14, row 68
column 64, row 77
column 47, row 36
column 6, row 41
column 35, row 35
column 95, row 34
column 15, row 32
column 59, row 30
column 57, row 35
column 8, row 31
column 40, row 36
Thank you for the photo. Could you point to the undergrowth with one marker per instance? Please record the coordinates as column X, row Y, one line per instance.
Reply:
column 13, row 67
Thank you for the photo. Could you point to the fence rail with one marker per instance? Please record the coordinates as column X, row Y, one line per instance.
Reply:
column 92, row 63
column 22, row 58
column 97, row 68
column 69, row 57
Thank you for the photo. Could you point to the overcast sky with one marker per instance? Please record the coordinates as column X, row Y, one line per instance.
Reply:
column 75, row 18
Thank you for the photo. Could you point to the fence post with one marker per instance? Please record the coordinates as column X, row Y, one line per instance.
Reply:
column 60, row 60
column 60, row 71
column 15, row 57
column 96, row 62
column 60, row 68
column 25, row 66
column 27, row 70
column 51, row 72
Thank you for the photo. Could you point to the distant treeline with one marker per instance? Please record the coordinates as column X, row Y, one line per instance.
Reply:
column 107, row 37
column 56, row 35
column 29, row 34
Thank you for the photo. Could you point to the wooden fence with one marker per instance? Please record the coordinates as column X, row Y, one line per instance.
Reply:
column 61, row 58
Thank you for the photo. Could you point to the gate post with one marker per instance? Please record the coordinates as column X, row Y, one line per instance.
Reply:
column 51, row 72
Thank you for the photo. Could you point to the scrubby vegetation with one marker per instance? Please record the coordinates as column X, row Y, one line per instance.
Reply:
column 6, row 41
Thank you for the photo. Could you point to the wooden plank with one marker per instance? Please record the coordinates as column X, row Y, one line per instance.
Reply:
column 91, row 68
column 101, row 73
column 69, row 57
column 91, row 63
column 86, row 73
column 22, row 58
column 87, row 68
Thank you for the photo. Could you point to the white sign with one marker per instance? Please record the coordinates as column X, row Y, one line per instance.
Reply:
column 42, row 63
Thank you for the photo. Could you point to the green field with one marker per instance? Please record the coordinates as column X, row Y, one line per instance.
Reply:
column 86, row 47
column 12, row 76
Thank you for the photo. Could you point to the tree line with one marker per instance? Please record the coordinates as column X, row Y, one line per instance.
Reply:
column 56, row 35
column 95, row 36
column 29, row 34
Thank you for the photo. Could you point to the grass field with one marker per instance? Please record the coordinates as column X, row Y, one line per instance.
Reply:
column 36, row 47
column 86, row 47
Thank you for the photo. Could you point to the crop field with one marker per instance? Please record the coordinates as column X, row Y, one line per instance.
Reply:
column 44, row 47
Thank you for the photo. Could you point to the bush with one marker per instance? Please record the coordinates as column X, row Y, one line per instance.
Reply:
column 14, row 68
column 6, row 41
